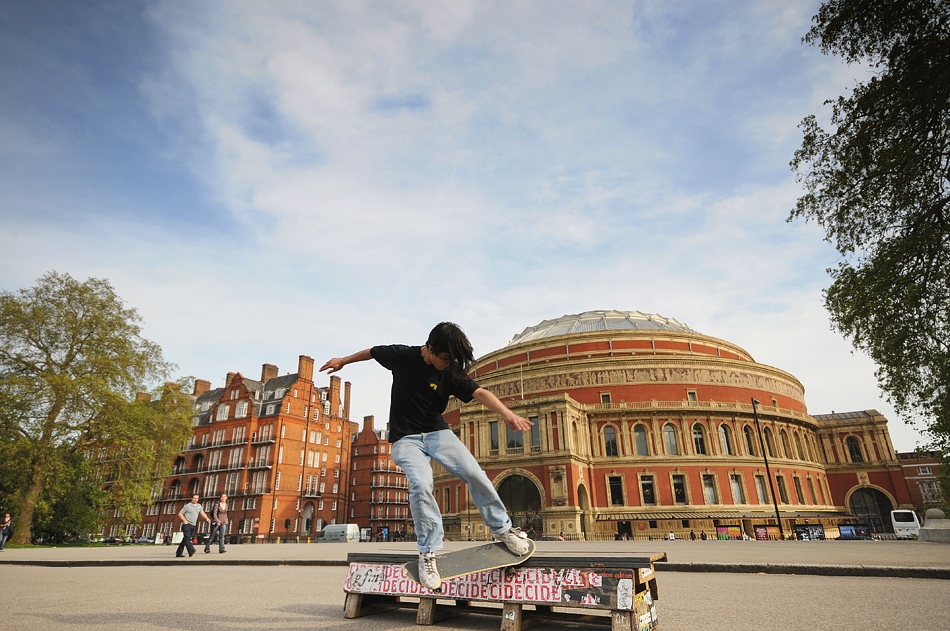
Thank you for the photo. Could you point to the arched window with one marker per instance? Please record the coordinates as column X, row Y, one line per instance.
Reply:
column 669, row 440
column 769, row 443
column 640, row 440
column 854, row 449
column 726, row 440
column 785, row 446
column 174, row 492
column 699, row 439
column 610, row 441
column 749, row 440
column 798, row 447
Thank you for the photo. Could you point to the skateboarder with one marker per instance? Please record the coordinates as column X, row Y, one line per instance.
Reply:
column 423, row 379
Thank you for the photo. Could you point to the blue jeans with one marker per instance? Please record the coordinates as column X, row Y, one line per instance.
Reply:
column 412, row 453
column 222, row 531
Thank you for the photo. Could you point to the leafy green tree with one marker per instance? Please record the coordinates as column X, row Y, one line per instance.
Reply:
column 878, row 182
column 71, row 360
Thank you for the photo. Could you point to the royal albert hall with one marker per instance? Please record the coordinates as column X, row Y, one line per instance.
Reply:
column 643, row 426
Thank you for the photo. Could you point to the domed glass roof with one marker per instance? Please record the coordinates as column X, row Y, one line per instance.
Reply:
column 599, row 321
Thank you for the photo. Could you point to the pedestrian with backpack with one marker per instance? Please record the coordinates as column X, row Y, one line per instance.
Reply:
column 219, row 524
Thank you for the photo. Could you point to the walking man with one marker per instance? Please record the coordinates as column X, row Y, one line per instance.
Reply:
column 189, row 515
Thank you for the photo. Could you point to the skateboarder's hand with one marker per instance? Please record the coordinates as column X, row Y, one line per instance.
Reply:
column 517, row 422
column 333, row 365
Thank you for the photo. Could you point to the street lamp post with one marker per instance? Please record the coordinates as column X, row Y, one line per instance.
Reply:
column 768, row 474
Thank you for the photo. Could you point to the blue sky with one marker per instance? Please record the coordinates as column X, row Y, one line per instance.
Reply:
column 265, row 180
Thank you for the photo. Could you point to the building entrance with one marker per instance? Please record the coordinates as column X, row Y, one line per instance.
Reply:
column 873, row 507
column 523, row 501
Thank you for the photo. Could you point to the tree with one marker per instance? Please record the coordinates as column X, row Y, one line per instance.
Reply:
column 71, row 360
column 878, row 182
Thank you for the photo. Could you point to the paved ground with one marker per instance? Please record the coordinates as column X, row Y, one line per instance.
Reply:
column 830, row 557
column 146, row 588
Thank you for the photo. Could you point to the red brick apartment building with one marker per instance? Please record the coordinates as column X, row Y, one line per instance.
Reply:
column 379, row 493
column 922, row 474
column 278, row 446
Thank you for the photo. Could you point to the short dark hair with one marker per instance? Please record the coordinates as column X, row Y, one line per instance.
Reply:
column 448, row 337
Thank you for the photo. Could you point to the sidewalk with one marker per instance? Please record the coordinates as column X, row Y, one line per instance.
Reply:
column 906, row 559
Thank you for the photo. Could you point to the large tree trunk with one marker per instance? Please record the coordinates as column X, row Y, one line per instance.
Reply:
column 24, row 519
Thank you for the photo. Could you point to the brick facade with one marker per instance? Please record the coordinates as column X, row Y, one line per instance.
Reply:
column 278, row 446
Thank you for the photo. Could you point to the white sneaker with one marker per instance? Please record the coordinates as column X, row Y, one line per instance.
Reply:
column 428, row 572
column 516, row 540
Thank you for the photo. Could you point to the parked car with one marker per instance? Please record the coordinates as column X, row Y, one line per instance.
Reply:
column 144, row 539
column 114, row 540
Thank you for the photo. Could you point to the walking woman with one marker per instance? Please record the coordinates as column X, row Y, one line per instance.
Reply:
column 219, row 524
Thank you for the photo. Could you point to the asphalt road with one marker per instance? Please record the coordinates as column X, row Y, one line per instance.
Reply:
column 149, row 591
column 308, row 598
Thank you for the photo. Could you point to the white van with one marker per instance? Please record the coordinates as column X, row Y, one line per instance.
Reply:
column 339, row 533
column 905, row 522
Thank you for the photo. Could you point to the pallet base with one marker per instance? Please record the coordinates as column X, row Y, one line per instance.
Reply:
column 569, row 591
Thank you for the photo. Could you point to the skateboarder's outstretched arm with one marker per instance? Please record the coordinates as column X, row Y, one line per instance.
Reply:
column 337, row 363
column 490, row 401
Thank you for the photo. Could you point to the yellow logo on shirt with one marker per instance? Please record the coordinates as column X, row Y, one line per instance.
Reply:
column 434, row 386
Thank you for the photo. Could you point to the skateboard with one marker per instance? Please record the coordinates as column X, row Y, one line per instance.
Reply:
column 490, row 556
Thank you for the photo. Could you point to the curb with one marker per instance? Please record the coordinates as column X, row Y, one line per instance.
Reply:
column 812, row 570
column 878, row 571
column 177, row 563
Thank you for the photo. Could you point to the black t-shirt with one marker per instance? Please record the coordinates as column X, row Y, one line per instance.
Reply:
column 420, row 391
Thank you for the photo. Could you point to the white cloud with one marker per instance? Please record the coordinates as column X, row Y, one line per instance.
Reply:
column 365, row 170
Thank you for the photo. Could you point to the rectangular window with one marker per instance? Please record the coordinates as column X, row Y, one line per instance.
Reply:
column 799, row 493
column 241, row 410
column 735, row 482
column 811, row 490
column 616, row 490
column 760, row 491
column 515, row 441
column 691, row 396
column 222, row 414
column 924, row 471
column 709, row 489
column 535, row 434
column 679, row 489
column 782, row 489
column 493, row 432
column 647, row 489
column 605, row 398
column 930, row 491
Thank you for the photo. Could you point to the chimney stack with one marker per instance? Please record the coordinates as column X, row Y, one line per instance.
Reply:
column 227, row 381
column 305, row 368
column 334, row 395
column 268, row 372
column 368, row 424
column 346, row 400
column 202, row 386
